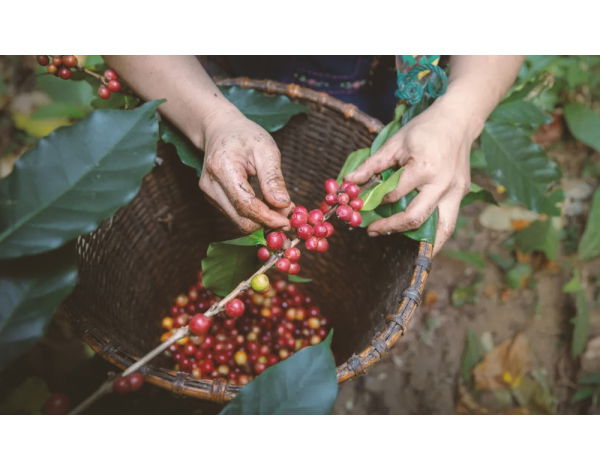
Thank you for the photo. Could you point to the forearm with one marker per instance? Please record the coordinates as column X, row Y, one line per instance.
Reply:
column 193, row 100
column 476, row 85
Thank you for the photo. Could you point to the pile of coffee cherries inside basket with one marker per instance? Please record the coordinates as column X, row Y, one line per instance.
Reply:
column 259, row 328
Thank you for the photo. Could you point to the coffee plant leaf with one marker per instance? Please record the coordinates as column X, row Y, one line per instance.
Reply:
column 298, row 279
column 186, row 151
column 272, row 112
column 388, row 131
column 589, row 245
column 304, row 384
column 252, row 239
column 582, row 394
column 473, row 354
column 539, row 236
column 353, row 161
column 584, row 124
column 31, row 289
column 521, row 166
column 520, row 113
column 75, row 178
column 477, row 193
column 372, row 197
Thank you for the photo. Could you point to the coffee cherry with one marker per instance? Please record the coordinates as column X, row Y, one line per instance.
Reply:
column 331, row 199
column 190, row 349
column 207, row 367
column 263, row 253
column 324, row 207
column 356, row 204
column 344, row 212
column 320, row 230
column 64, row 73
column 57, row 403
column 313, row 323
column 110, row 74
column 275, row 241
column 355, row 219
column 293, row 254
column 322, row 245
column 200, row 324
column 294, row 268
column 114, row 85
column 70, row 60
column 343, row 198
column 353, row 191
column 311, row 243
column 234, row 308
column 181, row 300
column 223, row 369
column 297, row 219
column 57, row 60
column 52, row 69
column 103, row 92
column 260, row 282
column 315, row 217
column 330, row 229
column 344, row 186
column 136, row 380
column 283, row 354
column 167, row 323
column 315, row 339
column 121, row 385
column 43, row 60
column 304, row 232
column 282, row 265
column 259, row 368
column 330, row 186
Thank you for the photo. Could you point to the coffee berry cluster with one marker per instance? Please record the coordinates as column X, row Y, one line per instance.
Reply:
column 63, row 65
column 130, row 383
column 259, row 328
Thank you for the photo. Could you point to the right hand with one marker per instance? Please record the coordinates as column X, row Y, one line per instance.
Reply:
column 235, row 149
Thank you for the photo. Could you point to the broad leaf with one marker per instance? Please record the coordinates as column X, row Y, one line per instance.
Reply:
column 581, row 324
column 372, row 197
column 521, row 166
column 388, row 131
column 473, row 354
column 304, row 384
column 229, row 262
column 522, row 113
column 584, row 124
column 592, row 379
column 31, row 289
column 582, row 394
column 477, row 193
column 269, row 111
column 589, row 245
column 186, row 151
column 75, row 178
column 298, row 279
column 469, row 257
column 539, row 236
column 353, row 161
column 477, row 159
column 518, row 276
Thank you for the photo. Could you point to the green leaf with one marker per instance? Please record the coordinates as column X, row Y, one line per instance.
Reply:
column 31, row 290
column 75, row 178
column 581, row 324
column 520, row 165
column 269, row 111
column 298, row 279
column 304, row 384
column 477, row 159
column 592, row 379
column 75, row 93
column 369, row 217
column 353, row 161
column 229, row 262
column 504, row 263
column 574, row 285
column 186, row 151
column 465, row 295
column 521, row 113
column 518, row 276
column 372, row 197
column 59, row 110
column 589, row 245
column 469, row 257
column 388, row 131
column 28, row 398
column 582, row 394
column 477, row 193
column 584, row 124
column 539, row 236
column 474, row 352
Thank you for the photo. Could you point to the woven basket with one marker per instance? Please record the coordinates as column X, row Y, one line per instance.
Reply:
column 135, row 263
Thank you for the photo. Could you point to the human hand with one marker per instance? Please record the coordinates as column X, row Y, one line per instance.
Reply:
column 434, row 150
column 235, row 149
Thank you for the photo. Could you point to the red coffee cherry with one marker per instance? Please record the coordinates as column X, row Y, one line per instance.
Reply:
column 294, row 268
column 297, row 219
column 275, row 240
column 322, row 245
column 300, row 210
column 353, row 191
column 43, row 60
column 64, row 73
column 343, row 198
column 136, row 380
column 282, row 265
column 57, row 60
column 320, row 230
column 110, row 74
column 70, row 60
column 103, row 92
column 114, row 85
column 234, row 308
column 330, row 229
column 200, row 324
column 304, row 232
column 344, row 212
column 263, row 253
column 293, row 254
column 315, row 217
column 330, row 186
column 355, row 219
column 356, row 204
column 57, row 403
column 311, row 243
column 331, row 199
column 121, row 385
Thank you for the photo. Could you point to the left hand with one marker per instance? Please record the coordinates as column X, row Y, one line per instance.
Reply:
column 434, row 150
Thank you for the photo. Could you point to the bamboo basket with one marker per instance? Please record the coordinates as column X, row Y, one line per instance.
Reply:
column 135, row 263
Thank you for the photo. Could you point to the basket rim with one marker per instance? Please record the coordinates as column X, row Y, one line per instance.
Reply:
column 219, row 390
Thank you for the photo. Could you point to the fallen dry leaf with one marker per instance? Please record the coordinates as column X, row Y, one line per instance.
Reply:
column 431, row 298
column 500, row 217
column 505, row 295
column 490, row 291
column 503, row 366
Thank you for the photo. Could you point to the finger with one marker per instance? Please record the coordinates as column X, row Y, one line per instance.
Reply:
column 216, row 196
column 385, row 157
column 240, row 193
column 448, row 213
column 409, row 180
column 270, row 178
column 417, row 212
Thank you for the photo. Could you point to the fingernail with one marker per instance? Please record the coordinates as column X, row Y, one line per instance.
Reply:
column 372, row 234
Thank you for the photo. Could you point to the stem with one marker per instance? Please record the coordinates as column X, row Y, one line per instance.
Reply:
column 93, row 74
